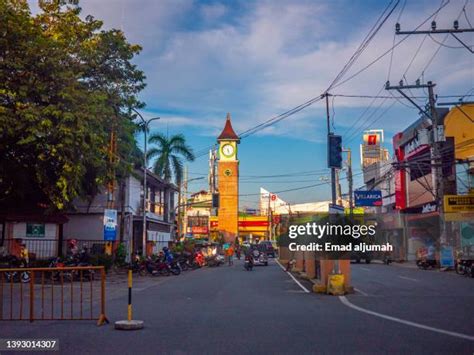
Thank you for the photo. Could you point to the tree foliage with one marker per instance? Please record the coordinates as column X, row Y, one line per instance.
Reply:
column 169, row 153
column 65, row 84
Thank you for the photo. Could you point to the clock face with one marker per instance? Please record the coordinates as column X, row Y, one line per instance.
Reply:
column 227, row 172
column 228, row 150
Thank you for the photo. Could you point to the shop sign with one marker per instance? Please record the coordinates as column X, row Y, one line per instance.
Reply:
column 458, row 203
column 35, row 230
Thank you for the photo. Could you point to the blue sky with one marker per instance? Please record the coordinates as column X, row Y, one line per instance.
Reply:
column 256, row 59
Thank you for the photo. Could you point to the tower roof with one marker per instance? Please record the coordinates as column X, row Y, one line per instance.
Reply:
column 228, row 132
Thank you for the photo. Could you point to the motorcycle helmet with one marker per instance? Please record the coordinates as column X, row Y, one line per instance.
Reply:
column 72, row 242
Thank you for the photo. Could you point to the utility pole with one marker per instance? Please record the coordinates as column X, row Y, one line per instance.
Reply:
column 269, row 217
column 333, row 170
column 350, row 181
column 451, row 31
column 184, row 219
column 339, row 200
column 334, row 150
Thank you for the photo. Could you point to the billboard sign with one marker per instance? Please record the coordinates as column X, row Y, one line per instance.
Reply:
column 368, row 198
column 110, row 225
column 372, row 142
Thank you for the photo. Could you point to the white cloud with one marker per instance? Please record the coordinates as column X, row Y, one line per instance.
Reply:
column 258, row 59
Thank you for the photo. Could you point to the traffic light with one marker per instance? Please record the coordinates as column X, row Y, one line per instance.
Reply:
column 334, row 151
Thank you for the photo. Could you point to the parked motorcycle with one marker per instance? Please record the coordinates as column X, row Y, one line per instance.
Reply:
column 215, row 260
column 16, row 276
column 465, row 267
column 425, row 264
column 198, row 260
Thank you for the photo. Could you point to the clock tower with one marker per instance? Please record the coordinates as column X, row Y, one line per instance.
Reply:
column 228, row 177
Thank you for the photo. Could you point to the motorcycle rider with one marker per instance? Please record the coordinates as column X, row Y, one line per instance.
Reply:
column 168, row 255
column 24, row 255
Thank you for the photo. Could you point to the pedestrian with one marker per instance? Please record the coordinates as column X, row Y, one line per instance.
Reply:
column 230, row 254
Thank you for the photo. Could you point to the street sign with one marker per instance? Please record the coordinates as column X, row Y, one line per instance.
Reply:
column 368, row 198
column 336, row 209
column 459, row 203
column 110, row 225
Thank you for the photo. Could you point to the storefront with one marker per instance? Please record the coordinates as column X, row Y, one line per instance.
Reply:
column 422, row 228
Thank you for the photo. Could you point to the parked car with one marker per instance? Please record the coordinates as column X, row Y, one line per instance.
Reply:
column 266, row 246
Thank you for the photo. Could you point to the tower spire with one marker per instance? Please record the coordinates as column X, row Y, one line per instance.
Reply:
column 228, row 132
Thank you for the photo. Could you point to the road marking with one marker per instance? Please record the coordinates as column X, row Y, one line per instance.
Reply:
column 364, row 268
column 360, row 291
column 408, row 278
column 294, row 279
column 346, row 302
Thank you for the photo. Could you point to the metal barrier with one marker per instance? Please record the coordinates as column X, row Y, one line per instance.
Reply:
column 44, row 249
column 33, row 294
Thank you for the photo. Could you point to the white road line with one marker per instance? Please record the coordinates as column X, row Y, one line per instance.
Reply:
column 408, row 278
column 294, row 279
column 364, row 268
column 346, row 302
column 360, row 291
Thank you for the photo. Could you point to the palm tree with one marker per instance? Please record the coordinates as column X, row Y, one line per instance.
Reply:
column 169, row 152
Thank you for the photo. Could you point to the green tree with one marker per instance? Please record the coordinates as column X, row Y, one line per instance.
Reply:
column 65, row 85
column 169, row 153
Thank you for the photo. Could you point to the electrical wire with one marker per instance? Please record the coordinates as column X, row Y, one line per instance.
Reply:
column 388, row 51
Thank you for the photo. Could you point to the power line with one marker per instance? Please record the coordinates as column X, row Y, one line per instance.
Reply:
column 373, row 31
column 362, row 96
column 388, row 51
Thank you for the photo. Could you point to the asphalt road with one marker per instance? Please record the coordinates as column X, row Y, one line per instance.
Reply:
column 229, row 310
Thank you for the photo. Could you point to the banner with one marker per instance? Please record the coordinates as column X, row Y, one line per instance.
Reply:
column 110, row 225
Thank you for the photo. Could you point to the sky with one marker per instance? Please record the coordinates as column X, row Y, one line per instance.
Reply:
column 257, row 59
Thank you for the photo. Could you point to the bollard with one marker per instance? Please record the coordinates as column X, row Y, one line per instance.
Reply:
column 102, row 318
column 129, row 324
column 129, row 313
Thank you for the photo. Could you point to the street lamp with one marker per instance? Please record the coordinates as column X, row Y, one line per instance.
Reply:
column 145, row 190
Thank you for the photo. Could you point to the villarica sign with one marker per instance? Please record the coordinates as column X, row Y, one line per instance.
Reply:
column 368, row 198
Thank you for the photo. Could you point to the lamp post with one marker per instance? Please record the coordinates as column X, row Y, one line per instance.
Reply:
column 145, row 190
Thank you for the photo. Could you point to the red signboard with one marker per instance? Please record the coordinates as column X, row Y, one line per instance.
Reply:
column 372, row 139
column 199, row 230
column 400, row 177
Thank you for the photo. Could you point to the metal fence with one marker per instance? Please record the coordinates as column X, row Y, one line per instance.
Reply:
column 44, row 249
column 64, row 293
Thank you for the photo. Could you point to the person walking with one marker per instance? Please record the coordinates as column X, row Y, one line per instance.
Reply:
column 230, row 255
